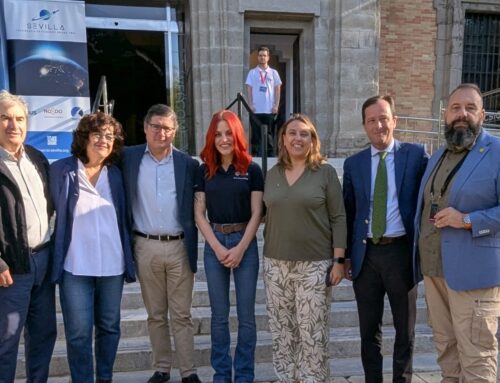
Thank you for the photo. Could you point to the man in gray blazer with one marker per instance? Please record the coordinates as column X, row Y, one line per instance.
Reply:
column 457, row 241
column 159, row 182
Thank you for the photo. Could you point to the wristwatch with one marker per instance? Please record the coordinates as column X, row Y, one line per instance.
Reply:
column 467, row 222
column 340, row 260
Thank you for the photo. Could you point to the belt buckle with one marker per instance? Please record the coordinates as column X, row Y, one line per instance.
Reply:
column 224, row 226
column 385, row 241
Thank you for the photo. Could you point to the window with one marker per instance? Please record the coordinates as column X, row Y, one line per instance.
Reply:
column 481, row 56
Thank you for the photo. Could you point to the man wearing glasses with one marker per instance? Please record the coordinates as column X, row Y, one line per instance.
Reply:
column 159, row 180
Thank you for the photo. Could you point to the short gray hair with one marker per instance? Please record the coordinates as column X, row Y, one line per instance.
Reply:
column 9, row 98
column 163, row 111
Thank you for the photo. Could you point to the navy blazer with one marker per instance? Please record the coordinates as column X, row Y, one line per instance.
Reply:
column 410, row 161
column 471, row 259
column 185, row 169
column 65, row 190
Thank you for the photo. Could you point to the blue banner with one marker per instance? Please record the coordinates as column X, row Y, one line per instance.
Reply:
column 47, row 65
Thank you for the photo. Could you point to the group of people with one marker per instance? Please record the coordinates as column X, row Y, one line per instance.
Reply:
column 410, row 217
column 397, row 217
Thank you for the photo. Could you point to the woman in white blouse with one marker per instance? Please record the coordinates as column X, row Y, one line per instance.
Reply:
column 92, row 251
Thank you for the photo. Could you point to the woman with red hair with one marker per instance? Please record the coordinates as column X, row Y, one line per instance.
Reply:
column 230, row 188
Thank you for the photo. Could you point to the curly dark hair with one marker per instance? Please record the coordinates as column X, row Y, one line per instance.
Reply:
column 96, row 122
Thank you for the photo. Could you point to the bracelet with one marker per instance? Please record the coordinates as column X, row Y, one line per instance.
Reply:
column 339, row 260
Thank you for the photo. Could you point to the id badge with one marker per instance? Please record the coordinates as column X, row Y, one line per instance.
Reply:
column 432, row 213
column 263, row 89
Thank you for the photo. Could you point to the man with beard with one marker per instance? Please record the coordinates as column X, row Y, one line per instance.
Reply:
column 457, row 242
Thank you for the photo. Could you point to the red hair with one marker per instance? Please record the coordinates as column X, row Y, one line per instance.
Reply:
column 211, row 156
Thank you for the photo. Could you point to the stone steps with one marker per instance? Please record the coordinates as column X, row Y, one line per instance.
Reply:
column 342, row 314
column 132, row 298
column 341, row 369
column 135, row 353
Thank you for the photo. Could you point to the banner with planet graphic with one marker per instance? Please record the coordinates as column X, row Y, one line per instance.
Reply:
column 47, row 59
column 4, row 77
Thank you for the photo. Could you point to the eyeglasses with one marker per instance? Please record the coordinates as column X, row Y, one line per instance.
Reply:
column 157, row 128
column 99, row 136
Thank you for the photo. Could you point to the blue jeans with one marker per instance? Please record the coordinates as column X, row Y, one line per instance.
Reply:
column 28, row 303
column 85, row 302
column 245, row 281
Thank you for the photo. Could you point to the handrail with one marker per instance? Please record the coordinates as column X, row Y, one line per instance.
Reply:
column 491, row 92
column 241, row 102
column 102, row 94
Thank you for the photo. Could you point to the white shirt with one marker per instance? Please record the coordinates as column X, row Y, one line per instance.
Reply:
column 30, row 185
column 263, row 84
column 394, row 222
column 95, row 248
column 155, row 208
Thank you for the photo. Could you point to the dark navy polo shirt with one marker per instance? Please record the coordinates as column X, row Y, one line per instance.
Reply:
column 228, row 194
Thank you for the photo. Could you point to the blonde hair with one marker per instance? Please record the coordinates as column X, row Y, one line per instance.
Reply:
column 314, row 158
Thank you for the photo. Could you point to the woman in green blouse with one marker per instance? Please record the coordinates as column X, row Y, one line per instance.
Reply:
column 305, row 231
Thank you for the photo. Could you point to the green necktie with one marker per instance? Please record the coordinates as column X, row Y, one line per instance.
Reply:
column 380, row 200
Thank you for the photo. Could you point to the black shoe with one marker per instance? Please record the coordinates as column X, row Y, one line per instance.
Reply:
column 101, row 380
column 193, row 378
column 159, row 377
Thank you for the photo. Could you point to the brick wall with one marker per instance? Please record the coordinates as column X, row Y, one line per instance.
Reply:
column 407, row 54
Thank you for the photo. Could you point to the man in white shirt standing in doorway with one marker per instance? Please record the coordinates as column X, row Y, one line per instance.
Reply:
column 263, row 91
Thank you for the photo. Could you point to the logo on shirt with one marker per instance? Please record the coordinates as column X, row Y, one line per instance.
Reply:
column 239, row 176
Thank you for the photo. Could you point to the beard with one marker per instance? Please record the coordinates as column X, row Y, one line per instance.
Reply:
column 461, row 138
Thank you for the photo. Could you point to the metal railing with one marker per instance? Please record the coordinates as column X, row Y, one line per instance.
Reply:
column 240, row 104
column 430, row 131
column 101, row 98
column 426, row 131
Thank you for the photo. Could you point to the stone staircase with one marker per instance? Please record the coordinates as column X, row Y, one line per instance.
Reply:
column 134, row 355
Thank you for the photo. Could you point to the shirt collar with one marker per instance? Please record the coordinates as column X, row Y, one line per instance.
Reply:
column 167, row 157
column 5, row 155
column 389, row 149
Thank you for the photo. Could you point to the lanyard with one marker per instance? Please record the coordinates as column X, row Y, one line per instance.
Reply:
column 450, row 176
column 263, row 76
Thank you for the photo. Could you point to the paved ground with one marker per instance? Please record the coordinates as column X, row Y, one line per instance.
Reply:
column 344, row 370
column 424, row 377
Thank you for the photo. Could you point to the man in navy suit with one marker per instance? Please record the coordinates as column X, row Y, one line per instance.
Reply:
column 159, row 182
column 457, row 242
column 380, row 193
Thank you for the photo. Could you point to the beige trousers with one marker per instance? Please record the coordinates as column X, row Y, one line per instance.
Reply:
column 167, row 287
column 464, row 326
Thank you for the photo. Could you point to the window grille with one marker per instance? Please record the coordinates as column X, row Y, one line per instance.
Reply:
column 481, row 57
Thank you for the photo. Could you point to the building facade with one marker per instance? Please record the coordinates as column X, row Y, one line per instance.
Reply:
column 331, row 55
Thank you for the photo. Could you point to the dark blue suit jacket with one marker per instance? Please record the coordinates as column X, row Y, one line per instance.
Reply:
column 410, row 161
column 65, row 191
column 185, row 169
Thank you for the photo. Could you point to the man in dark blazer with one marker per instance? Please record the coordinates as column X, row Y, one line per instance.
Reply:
column 380, row 187
column 27, row 296
column 159, row 181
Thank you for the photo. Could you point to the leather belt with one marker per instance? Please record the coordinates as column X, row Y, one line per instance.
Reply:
column 387, row 240
column 227, row 228
column 39, row 248
column 164, row 237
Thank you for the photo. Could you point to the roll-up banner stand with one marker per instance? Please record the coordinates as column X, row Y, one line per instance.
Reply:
column 47, row 59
